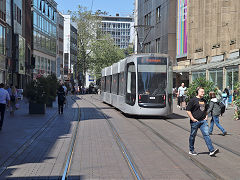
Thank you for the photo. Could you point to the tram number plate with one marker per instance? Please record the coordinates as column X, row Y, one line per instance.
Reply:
column 152, row 98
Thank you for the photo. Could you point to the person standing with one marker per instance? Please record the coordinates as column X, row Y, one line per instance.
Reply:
column 182, row 96
column 4, row 100
column 13, row 100
column 215, row 110
column 197, row 111
column 225, row 96
column 61, row 99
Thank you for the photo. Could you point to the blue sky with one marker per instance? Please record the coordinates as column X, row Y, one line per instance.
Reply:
column 123, row 7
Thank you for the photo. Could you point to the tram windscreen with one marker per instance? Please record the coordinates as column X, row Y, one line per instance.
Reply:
column 152, row 76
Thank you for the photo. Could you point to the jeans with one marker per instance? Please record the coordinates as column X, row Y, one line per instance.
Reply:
column 60, row 107
column 2, row 111
column 215, row 119
column 225, row 102
column 203, row 125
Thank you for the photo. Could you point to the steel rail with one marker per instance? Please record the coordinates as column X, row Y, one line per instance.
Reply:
column 71, row 151
column 131, row 164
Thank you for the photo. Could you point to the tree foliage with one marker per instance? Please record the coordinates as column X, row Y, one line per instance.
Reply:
column 105, row 53
column 95, row 50
column 237, row 101
column 201, row 82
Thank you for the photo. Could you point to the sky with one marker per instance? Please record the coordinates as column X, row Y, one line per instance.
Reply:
column 123, row 7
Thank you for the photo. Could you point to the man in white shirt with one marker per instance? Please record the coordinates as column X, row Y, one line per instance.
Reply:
column 4, row 99
column 182, row 96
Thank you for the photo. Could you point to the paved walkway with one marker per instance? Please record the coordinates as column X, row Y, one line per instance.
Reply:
column 44, row 156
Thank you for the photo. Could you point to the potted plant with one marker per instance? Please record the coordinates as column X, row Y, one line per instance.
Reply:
column 236, row 102
column 35, row 92
column 51, row 89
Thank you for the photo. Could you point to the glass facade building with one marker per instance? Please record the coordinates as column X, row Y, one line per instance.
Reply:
column 44, row 36
column 120, row 28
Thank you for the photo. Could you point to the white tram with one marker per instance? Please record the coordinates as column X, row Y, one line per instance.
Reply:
column 139, row 85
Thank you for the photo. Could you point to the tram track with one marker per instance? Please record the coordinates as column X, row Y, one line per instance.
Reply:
column 125, row 153
column 187, row 130
column 12, row 158
column 67, row 164
column 200, row 165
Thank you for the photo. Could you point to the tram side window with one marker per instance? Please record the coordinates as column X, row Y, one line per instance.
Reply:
column 115, row 84
column 131, row 85
column 108, row 84
column 103, row 84
column 121, row 84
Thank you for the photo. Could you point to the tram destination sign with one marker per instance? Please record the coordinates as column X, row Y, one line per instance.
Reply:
column 152, row 60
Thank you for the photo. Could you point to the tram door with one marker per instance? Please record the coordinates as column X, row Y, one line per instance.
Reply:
column 131, row 84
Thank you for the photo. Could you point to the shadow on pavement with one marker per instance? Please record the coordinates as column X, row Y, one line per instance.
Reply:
column 45, row 177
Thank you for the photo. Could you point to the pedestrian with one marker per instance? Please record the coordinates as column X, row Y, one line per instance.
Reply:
column 65, row 89
column 13, row 100
column 225, row 96
column 4, row 100
column 215, row 110
column 219, row 93
column 182, row 97
column 61, row 99
column 197, row 111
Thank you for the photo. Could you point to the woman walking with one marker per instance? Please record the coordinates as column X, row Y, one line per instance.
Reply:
column 215, row 110
column 13, row 100
column 61, row 99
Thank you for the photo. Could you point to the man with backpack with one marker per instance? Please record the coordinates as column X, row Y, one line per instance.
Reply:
column 197, row 111
column 216, row 108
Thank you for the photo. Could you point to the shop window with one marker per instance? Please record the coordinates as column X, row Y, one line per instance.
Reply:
column 216, row 76
column 232, row 77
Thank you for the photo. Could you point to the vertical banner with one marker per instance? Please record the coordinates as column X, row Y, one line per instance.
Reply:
column 182, row 28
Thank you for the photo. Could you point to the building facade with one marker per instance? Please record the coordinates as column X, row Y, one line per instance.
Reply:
column 156, row 26
column 70, row 49
column 60, row 37
column 210, row 47
column 120, row 28
column 3, row 41
column 44, row 37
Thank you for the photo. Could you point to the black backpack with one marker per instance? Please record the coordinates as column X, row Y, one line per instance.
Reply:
column 222, row 106
column 61, row 97
column 12, row 98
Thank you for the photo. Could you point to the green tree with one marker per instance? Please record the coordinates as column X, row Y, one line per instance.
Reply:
column 104, row 53
column 200, row 82
column 95, row 49
column 237, row 101
column 88, row 26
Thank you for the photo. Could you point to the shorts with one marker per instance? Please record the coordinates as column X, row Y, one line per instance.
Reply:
column 182, row 99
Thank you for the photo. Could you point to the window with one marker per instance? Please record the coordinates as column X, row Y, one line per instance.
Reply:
column 147, row 19
column 147, row 47
column 232, row 77
column 103, row 84
column 216, row 76
column 121, row 84
column 2, row 40
column 158, row 45
column 158, row 14
column 196, row 75
column 131, row 84
column 108, row 84
column 115, row 84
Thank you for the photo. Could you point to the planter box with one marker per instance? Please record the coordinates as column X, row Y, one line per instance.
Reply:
column 35, row 108
column 49, row 104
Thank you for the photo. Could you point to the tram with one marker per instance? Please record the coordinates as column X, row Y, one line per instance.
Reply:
column 139, row 85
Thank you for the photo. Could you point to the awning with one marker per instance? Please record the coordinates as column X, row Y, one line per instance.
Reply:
column 215, row 65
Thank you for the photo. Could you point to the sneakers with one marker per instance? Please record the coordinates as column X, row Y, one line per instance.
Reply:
column 194, row 153
column 214, row 152
column 224, row 133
